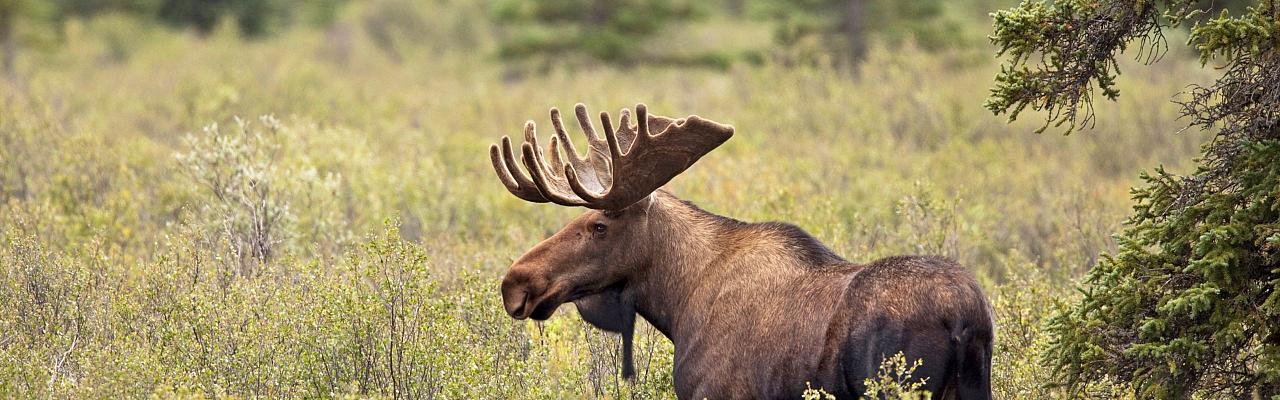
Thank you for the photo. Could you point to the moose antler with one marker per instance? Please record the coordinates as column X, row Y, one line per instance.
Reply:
column 618, row 170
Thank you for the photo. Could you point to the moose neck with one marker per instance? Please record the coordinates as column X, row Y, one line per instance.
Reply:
column 695, row 253
column 684, row 242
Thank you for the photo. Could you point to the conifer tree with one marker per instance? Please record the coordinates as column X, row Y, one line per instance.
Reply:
column 1189, row 305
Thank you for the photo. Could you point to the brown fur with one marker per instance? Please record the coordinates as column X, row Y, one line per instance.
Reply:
column 757, row 310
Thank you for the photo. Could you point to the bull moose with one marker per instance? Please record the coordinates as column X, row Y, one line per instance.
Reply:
column 755, row 310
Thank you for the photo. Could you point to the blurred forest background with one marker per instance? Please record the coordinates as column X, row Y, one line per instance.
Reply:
column 286, row 198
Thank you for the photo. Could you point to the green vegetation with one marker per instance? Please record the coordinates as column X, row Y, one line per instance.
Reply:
column 612, row 31
column 839, row 30
column 345, row 236
column 893, row 381
column 1188, row 304
column 42, row 23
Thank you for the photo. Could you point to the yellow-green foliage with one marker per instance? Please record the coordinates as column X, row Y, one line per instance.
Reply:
column 123, row 268
column 894, row 380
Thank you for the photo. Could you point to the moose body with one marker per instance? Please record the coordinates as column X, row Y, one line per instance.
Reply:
column 754, row 310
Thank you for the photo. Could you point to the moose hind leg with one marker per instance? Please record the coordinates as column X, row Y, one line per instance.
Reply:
column 973, row 380
column 937, row 367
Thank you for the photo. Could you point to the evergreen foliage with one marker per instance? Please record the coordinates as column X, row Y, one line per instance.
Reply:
column 1189, row 304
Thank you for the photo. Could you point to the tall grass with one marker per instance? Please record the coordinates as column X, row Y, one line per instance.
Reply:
column 352, row 244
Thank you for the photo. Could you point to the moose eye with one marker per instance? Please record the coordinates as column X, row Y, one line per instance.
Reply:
column 598, row 230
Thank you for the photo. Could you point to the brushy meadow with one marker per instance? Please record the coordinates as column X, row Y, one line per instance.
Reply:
column 308, row 216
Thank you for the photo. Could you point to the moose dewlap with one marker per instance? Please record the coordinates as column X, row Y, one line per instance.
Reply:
column 755, row 310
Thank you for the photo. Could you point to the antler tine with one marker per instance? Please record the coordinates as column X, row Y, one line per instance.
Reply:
column 557, row 161
column 531, row 139
column 610, row 137
column 530, row 159
column 510, row 175
column 626, row 132
column 624, row 118
column 598, row 171
column 583, row 120
column 642, row 117
column 544, row 179
column 598, row 154
column 503, row 174
column 605, row 122
column 558, row 124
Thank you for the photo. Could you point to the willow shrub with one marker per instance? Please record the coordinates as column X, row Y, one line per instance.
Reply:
column 377, row 323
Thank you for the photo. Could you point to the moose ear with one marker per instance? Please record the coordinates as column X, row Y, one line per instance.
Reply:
column 612, row 311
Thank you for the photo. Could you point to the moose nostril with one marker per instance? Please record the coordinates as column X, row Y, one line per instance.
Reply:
column 524, row 303
column 516, row 304
column 514, row 296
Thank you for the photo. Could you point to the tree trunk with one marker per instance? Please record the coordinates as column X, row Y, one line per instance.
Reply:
column 737, row 8
column 8, row 47
column 855, row 29
column 599, row 13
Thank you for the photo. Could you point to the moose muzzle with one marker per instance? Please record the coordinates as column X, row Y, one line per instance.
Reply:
column 515, row 295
